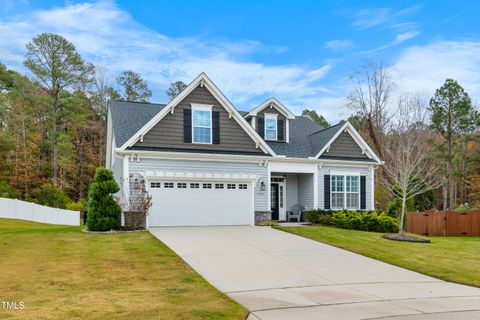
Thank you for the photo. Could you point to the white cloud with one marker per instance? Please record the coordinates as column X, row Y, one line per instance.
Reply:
column 106, row 35
column 380, row 17
column 339, row 44
column 425, row 68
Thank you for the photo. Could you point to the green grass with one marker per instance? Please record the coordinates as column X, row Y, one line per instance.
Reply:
column 455, row 259
column 62, row 273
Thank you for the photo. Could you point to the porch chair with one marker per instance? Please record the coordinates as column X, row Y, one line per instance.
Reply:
column 295, row 213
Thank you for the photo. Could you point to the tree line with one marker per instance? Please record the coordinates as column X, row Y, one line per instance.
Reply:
column 53, row 129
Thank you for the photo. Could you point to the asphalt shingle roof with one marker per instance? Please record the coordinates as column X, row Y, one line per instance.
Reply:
column 307, row 137
column 129, row 117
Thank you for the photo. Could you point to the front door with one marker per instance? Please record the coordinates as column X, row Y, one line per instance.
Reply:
column 274, row 201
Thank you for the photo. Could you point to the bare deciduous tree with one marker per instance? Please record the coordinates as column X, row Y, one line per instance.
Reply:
column 412, row 170
column 373, row 86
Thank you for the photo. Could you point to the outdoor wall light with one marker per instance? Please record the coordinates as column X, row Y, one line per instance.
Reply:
column 262, row 185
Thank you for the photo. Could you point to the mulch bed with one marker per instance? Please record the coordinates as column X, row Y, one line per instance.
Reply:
column 404, row 237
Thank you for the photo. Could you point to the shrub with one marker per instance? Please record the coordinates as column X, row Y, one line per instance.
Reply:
column 7, row 191
column 366, row 221
column 103, row 211
column 49, row 195
column 464, row 207
column 317, row 216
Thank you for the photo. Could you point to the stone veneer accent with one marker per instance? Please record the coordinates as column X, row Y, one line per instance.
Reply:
column 261, row 216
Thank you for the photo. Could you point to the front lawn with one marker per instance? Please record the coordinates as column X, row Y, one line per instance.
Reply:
column 455, row 259
column 62, row 273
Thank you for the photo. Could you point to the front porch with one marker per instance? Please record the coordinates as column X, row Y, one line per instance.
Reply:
column 291, row 189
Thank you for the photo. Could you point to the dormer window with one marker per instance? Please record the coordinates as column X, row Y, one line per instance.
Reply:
column 271, row 127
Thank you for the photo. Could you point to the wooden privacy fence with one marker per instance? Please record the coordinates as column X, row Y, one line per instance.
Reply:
column 444, row 223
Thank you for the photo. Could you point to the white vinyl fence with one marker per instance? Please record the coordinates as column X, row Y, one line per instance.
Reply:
column 18, row 209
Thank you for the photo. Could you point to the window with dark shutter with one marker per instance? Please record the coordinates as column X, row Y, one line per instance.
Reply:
column 326, row 191
column 363, row 192
column 280, row 129
column 187, row 125
column 216, row 127
column 261, row 127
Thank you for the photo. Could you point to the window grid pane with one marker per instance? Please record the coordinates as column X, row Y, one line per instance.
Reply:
column 270, row 134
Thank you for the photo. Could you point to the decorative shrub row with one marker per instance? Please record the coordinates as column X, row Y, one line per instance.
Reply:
column 378, row 221
column 366, row 221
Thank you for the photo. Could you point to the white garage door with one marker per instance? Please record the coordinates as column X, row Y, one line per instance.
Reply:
column 200, row 203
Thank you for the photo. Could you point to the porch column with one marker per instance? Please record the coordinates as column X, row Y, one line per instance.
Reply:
column 372, row 190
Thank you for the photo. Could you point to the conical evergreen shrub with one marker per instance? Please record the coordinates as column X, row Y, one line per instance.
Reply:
column 103, row 211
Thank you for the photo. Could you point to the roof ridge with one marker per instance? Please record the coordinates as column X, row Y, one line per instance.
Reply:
column 340, row 123
column 139, row 102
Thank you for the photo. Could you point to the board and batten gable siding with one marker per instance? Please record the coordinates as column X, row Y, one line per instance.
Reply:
column 305, row 190
column 197, row 166
column 168, row 132
column 280, row 116
column 362, row 171
column 344, row 146
column 291, row 190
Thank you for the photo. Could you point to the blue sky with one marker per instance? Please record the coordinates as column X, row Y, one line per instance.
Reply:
column 301, row 52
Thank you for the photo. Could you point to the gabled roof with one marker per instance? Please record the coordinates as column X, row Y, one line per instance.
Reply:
column 272, row 102
column 333, row 132
column 300, row 144
column 128, row 117
column 202, row 80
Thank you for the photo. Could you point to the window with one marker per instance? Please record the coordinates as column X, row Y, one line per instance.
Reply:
column 155, row 185
column 270, row 126
column 353, row 192
column 194, row 185
column 181, row 185
column 202, row 124
column 219, row 185
column 207, row 186
column 337, row 192
column 230, row 185
column 345, row 192
column 168, row 184
column 242, row 186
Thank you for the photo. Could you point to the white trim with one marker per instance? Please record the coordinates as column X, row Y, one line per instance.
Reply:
column 272, row 102
column 201, row 79
column 201, row 107
column 358, row 139
column 126, row 178
column 372, row 187
column 315, row 188
column 271, row 116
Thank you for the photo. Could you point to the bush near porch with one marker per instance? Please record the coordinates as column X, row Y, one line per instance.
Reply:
column 378, row 221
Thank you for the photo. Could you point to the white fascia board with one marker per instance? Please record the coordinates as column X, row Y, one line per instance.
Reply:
column 201, row 79
column 358, row 139
column 277, row 104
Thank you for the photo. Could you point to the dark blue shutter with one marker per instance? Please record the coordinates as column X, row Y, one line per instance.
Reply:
column 280, row 128
column 363, row 192
column 187, row 125
column 216, row 127
column 261, row 127
column 326, row 191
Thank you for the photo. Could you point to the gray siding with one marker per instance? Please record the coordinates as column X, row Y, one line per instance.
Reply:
column 260, row 197
column 261, row 114
column 168, row 133
column 364, row 171
column 117, row 170
column 344, row 146
column 291, row 190
column 305, row 189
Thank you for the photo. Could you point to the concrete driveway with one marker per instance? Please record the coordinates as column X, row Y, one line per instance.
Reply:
column 279, row 276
